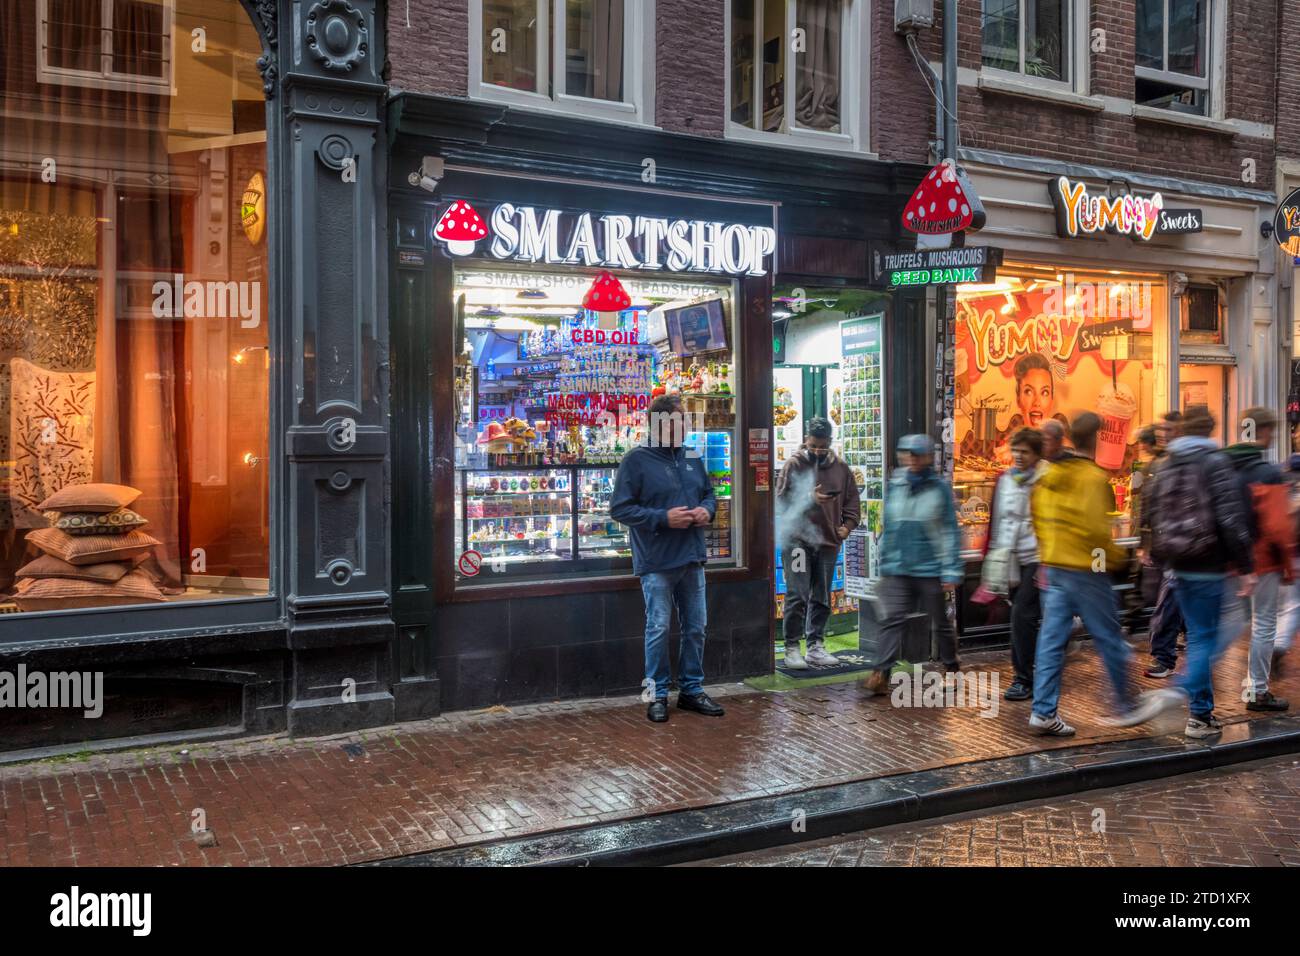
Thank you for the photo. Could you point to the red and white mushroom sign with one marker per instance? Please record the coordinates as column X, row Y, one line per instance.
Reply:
column 944, row 202
column 460, row 227
column 607, row 298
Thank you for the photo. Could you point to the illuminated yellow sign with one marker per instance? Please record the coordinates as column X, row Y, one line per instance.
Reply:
column 252, row 209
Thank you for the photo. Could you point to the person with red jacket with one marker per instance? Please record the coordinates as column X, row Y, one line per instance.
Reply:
column 1267, row 496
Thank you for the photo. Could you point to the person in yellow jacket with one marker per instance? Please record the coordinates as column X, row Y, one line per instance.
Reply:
column 1072, row 504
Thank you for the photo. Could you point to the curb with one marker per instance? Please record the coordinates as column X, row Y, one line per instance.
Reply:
column 684, row 836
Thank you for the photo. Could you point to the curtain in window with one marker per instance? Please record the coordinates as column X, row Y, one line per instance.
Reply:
column 817, row 96
column 595, row 49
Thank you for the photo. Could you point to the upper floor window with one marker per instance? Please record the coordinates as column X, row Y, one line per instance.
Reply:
column 114, row 44
column 581, row 55
column 793, row 69
column 1030, row 37
column 1173, row 54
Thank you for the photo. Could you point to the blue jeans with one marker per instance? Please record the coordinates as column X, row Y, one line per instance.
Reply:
column 1201, row 601
column 1088, row 595
column 682, row 588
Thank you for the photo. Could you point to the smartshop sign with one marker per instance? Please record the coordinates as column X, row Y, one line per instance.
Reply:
column 919, row 267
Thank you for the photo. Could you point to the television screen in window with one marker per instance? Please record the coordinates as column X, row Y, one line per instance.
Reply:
column 701, row 327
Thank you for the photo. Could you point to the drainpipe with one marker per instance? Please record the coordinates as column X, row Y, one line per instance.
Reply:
column 950, row 79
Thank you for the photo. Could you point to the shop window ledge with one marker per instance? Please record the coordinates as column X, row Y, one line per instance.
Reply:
column 1041, row 92
column 1154, row 114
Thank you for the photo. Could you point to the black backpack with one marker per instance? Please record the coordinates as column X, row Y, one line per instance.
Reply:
column 1184, row 528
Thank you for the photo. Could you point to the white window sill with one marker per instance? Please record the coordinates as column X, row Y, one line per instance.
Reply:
column 1155, row 114
column 624, row 114
column 1040, row 91
column 835, row 143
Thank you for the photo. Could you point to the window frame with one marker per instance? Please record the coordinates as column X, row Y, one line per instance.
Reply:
column 855, row 84
column 637, row 105
column 1074, row 43
column 106, row 78
column 1209, row 83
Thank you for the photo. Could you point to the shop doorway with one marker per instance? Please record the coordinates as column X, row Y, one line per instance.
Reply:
column 828, row 363
column 1208, row 385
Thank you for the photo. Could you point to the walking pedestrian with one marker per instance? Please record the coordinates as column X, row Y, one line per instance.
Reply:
column 920, row 557
column 817, row 508
column 1012, row 555
column 1200, row 529
column 1267, row 502
column 1166, row 620
column 665, row 498
column 1054, row 441
column 1071, row 510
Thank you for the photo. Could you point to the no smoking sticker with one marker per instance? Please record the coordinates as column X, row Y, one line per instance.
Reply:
column 469, row 563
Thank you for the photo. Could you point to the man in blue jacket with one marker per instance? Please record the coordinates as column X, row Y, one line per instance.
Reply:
column 664, row 495
column 920, row 556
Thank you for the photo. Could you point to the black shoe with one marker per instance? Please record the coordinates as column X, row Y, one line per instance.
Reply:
column 700, row 703
column 1018, row 691
column 658, row 711
column 1268, row 701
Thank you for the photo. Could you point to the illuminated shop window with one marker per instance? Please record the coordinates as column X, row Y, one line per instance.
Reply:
column 1173, row 55
column 133, row 308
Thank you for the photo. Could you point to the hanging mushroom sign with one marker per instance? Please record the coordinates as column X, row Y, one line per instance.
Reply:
column 944, row 203
column 460, row 227
column 607, row 298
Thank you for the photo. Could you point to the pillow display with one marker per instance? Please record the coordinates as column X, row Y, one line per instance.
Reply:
column 90, row 522
column 91, row 548
column 56, row 594
column 93, row 497
column 48, row 566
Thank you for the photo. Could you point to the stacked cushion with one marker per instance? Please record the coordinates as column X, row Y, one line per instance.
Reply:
column 91, row 551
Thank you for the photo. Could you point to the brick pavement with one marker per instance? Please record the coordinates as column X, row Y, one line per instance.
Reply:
column 1246, row 815
column 465, row 778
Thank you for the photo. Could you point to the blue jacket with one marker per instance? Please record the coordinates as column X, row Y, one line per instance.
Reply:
column 921, row 539
column 650, row 481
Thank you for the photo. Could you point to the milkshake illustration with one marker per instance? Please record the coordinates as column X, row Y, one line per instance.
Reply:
column 1117, row 406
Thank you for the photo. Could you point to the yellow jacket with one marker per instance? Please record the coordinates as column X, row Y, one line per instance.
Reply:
column 1071, row 505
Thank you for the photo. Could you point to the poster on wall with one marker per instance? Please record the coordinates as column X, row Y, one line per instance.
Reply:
column 857, row 406
column 1024, row 358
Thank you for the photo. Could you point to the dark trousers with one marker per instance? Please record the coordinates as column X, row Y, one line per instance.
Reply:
column 1026, row 615
column 809, row 571
column 1166, row 622
column 902, row 596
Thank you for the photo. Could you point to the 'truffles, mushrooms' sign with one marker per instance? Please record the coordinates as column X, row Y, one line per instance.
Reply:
column 460, row 227
column 945, row 202
column 607, row 298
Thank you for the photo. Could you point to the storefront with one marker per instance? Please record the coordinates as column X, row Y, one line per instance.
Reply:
column 1128, row 301
column 524, row 364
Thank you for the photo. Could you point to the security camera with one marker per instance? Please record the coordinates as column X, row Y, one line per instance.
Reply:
column 429, row 174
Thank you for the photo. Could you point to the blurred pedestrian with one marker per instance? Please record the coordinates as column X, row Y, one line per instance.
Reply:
column 1166, row 620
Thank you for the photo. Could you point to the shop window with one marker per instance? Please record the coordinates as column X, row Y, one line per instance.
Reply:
column 791, row 69
column 1029, row 37
column 549, row 398
column 581, row 55
column 134, row 361
column 1044, row 342
column 114, row 44
column 1173, row 55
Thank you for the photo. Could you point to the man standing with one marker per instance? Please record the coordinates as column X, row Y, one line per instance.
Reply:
column 817, row 507
column 1199, row 528
column 920, row 557
column 1071, row 510
column 1166, row 620
column 665, row 498
column 1267, row 502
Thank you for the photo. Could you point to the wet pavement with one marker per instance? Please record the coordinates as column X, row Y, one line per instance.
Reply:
column 473, row 777
column 1247, row 815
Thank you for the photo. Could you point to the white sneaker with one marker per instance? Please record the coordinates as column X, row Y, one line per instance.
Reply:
column 1151, row 704
column 818, row 656
column 1200, row 729
column 793, row 659
column 1052, row 726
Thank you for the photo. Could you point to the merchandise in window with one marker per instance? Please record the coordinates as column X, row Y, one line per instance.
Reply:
column 1173, row 43
column 134, row 358
column 1046, row 342
column 764, row 94
column 1027, row 36
column 552, row 391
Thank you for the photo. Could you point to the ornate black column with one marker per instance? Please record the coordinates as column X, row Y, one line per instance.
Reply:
column 322, row 74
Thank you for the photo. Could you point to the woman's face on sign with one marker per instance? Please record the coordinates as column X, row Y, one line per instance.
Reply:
column 1035, row 397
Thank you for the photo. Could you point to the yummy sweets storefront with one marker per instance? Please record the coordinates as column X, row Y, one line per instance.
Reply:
column 523, row 364
column 1128, row 299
